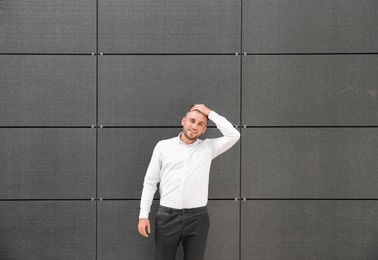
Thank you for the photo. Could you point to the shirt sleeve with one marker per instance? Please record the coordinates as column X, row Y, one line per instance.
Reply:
column 230, row 134
column 151, row 180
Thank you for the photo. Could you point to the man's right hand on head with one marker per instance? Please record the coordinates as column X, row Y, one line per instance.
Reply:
column 143, row 226
column 202, row 108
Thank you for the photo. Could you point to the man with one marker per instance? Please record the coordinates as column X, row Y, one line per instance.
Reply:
column 181, row 165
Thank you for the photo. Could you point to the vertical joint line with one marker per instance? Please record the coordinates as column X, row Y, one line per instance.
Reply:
column 240, row 123
column 96, row 235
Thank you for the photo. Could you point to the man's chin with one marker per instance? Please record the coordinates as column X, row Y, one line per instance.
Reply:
column 191, row 137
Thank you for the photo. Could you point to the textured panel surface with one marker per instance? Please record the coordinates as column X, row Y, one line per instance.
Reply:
column 123, row 158
column 119, row 238
column 223, row 238
column 310, row 163
column 43, row 26
column 124, row 155
column 157, row 90
column 47, row 163
column 225, row 171
column 47, row 230
column 310, row 90
column 53, row 26
column 47, row 90
column 167, row 26
column 329, row 230
column 310, row 26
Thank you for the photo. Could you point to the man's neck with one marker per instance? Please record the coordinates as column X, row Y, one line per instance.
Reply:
column 186, row 140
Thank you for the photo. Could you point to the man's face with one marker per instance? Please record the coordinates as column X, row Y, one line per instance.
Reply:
column 194, row 124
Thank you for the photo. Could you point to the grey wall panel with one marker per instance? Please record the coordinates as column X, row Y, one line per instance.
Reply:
column 225, row 171
column 38, row 163
column 47, row 230
column 309, row 230
column 157, row 90
column 47, row 90
column 166, row 26
column 223, row 238
column 309, row 163
column 118, row 236
column 51, row 26
column 124, row 155
column 310, row 26
column 123, row 158
column 297, row 90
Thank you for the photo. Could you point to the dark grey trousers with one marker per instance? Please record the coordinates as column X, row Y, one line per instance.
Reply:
column 188, row 226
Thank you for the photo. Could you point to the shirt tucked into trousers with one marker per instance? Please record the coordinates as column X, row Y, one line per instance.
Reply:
column 183, row 173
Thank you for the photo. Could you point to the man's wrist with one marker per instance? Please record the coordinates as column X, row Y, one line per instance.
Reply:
column 143, row 215
column 211, row 114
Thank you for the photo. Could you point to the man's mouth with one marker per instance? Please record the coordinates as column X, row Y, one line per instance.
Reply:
column 193, row 132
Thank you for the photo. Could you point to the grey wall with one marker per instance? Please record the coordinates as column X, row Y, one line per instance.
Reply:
column 88, row 87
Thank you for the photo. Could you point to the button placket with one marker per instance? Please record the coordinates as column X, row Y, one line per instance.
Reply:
column 185, row 170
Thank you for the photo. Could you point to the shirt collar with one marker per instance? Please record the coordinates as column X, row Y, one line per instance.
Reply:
column 181, row 142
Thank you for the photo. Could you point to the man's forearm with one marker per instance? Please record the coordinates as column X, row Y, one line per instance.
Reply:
column 227, row 129
column 230, row 134
column 146, row 200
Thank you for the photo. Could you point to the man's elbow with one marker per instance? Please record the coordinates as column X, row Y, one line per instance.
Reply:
column 237, row 135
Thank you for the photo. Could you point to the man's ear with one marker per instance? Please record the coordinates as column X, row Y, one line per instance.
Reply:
column 204, row 130
column 183, row 121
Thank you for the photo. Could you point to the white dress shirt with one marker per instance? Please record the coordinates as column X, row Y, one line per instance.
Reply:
column 183, row 169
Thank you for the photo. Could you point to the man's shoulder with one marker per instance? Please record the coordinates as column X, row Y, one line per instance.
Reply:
column 168, row 141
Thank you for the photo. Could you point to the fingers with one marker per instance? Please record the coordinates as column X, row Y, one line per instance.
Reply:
column 202, row 108
column 143, row 225
column 142, row 231
column 198, row 107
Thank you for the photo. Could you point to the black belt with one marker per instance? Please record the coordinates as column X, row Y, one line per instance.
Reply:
column 182, row 211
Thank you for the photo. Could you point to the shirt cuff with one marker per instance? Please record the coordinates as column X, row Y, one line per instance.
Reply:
column 143, row 214
column 212, row 114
